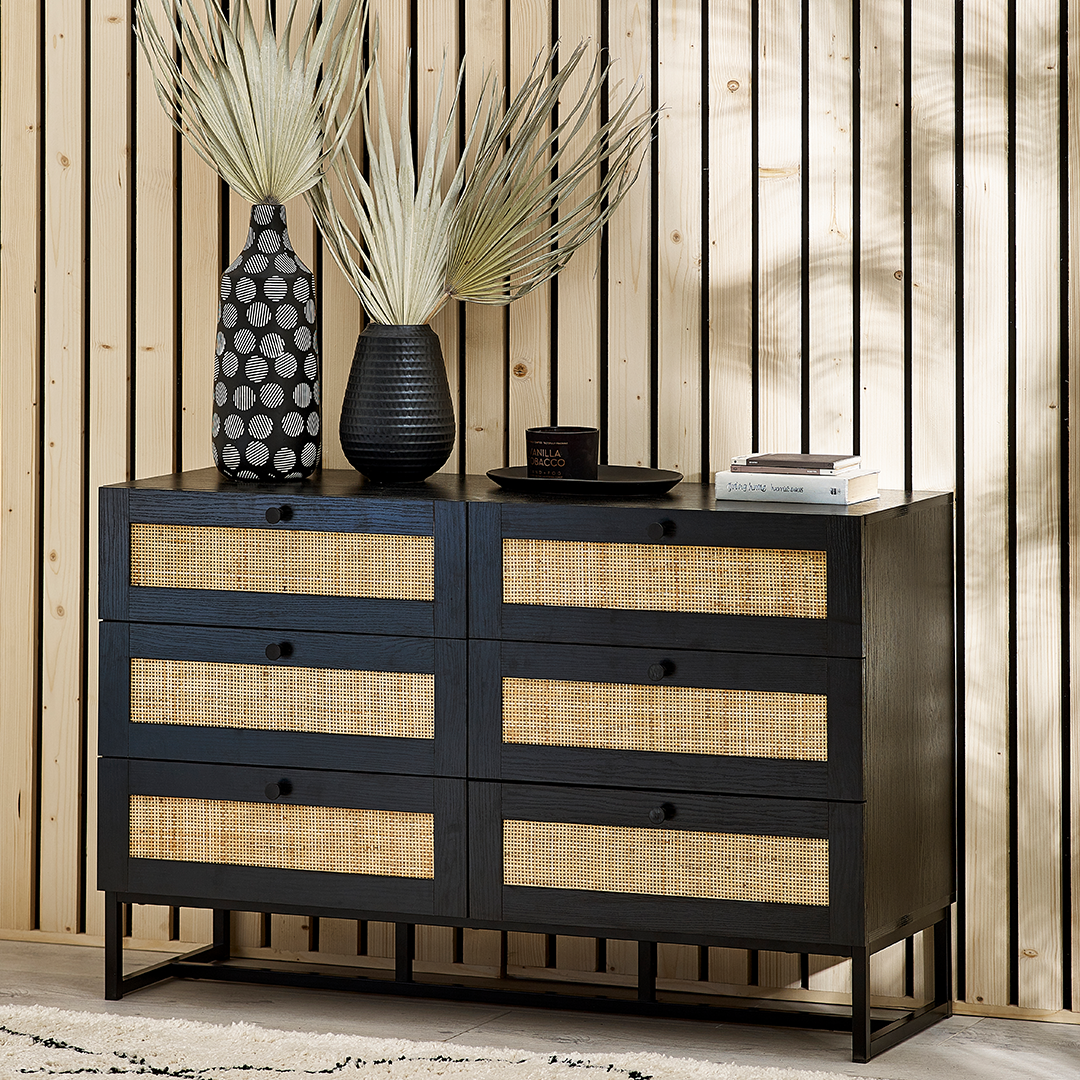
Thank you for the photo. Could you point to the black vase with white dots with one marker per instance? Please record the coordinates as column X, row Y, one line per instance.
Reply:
column 267, row 422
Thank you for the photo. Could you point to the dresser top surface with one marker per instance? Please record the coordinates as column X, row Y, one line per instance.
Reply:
column 346, row 483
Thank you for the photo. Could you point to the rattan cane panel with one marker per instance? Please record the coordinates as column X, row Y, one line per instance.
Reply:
column 665, row 719
column 320, row 700
column 285, row 561
column 666, row 862
column 647, row 577
column 388, row 843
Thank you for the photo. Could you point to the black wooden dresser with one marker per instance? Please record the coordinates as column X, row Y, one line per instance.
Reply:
column 667, row 720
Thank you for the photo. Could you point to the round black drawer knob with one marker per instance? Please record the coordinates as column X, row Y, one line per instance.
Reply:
column 659, row 814
column 277, row 649
column 661, row 670
column 278, row 790
column 278, row 513
column 657, row 530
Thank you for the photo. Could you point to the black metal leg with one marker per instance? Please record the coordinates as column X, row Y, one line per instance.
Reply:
column 114, row 948
column 404, row 950
column 646, row 970
column 860, row 1004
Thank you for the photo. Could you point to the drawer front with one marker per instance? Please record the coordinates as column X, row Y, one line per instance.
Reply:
column 332, row 840
column 280, row 555
column 663, row 861
column 744, row 582
column 344, row 701
column 731, row 722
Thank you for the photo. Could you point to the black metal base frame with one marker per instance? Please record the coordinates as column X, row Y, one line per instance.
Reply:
column 872, row 1029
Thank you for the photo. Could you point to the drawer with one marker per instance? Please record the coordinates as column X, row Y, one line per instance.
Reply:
column 753, row 582
column 283, row 556
column 232, row 836
column 715, row 868
column 704, row 721
column 340, row 701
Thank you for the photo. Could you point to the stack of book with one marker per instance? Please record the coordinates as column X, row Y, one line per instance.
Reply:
column 807, row 478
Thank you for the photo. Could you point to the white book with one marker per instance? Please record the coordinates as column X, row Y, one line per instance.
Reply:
column 851, row 487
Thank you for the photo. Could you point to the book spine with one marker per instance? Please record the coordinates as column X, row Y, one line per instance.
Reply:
column 772, row 487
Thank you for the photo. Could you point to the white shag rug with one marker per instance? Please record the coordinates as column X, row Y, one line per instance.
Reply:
column 38, row 1041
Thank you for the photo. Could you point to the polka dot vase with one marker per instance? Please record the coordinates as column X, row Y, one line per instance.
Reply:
column 267, row 380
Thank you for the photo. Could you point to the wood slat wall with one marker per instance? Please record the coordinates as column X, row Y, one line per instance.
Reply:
column 855, row 230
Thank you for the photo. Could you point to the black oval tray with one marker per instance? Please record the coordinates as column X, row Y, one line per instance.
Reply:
column 610, row 480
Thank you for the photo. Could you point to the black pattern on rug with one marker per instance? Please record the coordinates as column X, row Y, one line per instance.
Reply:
column 141, row 1067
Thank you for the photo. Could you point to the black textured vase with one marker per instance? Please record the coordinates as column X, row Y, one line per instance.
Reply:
column 397, row 420
column 267, row 419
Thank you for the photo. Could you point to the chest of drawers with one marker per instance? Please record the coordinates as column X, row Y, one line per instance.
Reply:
column 672, row 720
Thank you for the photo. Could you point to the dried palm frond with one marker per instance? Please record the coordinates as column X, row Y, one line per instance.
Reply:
column 503, row 226
column 267, row 117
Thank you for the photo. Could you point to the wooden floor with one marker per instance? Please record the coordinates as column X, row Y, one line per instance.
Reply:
column 961, row 1048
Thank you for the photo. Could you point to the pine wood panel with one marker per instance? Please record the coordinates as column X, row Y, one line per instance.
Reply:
column 340, row 320
column 201, row 257
column 64, row 518
column 483, row 436
column 731, row 225
column 110, row 360
column 986, row 541
column 779, row 313
column 530, row 317
column 1072, row 344
column 629, row 325
column 20, row 490
column 881, row 348
column 1038, row 503
column 578, row 330
column 155, row 263
column 679, row 240
column 831, row 195
column 933, row 248
column 437, row 44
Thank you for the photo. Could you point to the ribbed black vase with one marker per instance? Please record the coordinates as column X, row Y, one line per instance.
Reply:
column 397, row 420
column 267, row 416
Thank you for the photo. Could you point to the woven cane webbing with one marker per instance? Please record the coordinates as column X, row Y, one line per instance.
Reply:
column 387, row 703
column 289, row 561
column 666, row 862
column 282, row 835
column 645, row 577
column 666, row 719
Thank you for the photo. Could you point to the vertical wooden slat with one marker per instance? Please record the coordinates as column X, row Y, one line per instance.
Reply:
column 731, row 966
column 155, row 325
column 1073, row 268
column 778, row 969
column 986, row 395
column 340, row 321
column 731, row 227
column 882, row 436
column 829, row 82
column 434, row 944
column 679, row 240
column 109, row 345
column 530, row 317
column 1038, row 464
column 578, row 331
column 483, row 436
column 200, row 239
column 630, row 310
column 681, row 962
column 779, row 229
column 155, row 265
column 64, row 535
column 437, row 44
column 575, row 953
column 932, row 225
column 20, row 418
